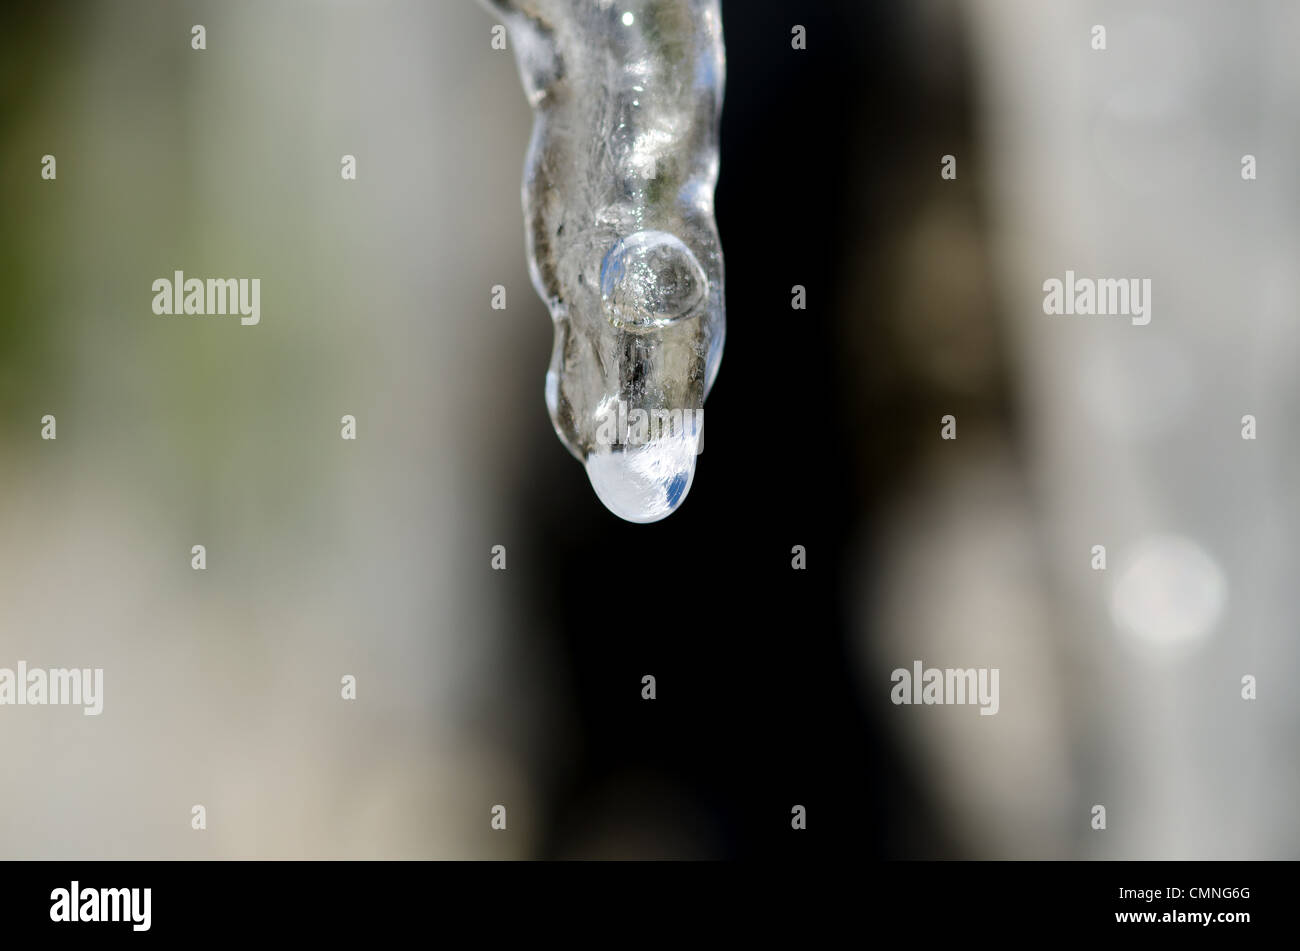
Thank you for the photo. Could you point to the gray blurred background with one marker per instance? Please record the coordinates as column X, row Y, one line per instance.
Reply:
column 1118, row 687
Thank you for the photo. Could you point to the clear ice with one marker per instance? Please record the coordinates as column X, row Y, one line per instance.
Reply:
column 622, row 246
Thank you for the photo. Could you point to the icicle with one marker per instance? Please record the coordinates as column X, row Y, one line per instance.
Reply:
column 622, row 245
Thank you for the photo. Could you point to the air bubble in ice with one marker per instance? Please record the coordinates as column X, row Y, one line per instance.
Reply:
column 649, row 280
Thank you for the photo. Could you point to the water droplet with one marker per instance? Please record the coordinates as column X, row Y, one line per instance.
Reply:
column 644, row 483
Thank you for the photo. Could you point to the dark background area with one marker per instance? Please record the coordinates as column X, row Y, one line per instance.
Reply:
column 758, row 694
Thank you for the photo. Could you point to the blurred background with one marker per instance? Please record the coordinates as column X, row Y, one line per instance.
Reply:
column 477, row 687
